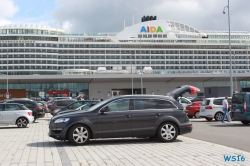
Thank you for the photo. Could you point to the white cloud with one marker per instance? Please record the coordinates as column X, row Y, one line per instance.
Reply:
column 109, row 15
column 7, row 10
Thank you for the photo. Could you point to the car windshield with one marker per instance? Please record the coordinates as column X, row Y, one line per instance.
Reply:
column 238, row 99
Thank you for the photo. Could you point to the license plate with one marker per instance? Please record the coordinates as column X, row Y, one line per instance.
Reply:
column 237, row 110
column 202, row 110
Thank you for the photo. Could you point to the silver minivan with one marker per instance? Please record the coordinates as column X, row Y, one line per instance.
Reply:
column 15, row 114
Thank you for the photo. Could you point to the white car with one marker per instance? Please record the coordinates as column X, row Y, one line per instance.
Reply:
column 184, row 102
column 15, row 114
column 212, row 108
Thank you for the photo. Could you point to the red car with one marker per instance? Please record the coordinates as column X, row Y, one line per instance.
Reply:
column 193, row 109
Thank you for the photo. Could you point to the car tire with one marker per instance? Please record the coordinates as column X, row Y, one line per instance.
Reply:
column 79, row 134
column 245, row 122
column 197, row 114
column 22, row 122
column 218, row 116
column 190, row 116
column 167, row 132
column 209, row 119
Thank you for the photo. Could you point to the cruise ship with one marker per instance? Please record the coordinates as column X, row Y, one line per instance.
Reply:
column 150, row 57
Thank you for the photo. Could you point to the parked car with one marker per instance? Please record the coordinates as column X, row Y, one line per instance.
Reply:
column 212, row 108
column 44, row 105
column 193, row 109
column 78, row 105
column 184, row 101
column 123, row 116
column 15, row 114
column 37, row 110
column 60, row 104
column 241, row 107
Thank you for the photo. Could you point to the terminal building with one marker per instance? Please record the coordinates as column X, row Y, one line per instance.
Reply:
column 150, row 57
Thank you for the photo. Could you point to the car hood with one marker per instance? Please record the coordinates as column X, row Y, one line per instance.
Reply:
column 179, row 91
column 69, row 114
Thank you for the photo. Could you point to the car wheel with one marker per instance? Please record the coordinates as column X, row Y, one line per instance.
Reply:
column 245, row 122
column 218, row 116
column 79, row 134
column 209, row 119
column 167, row 132
column 22, row 122
column 197, row 114
column 190, row 116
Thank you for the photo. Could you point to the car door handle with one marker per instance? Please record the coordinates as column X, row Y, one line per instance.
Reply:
column 127, row 116
column 16, row 114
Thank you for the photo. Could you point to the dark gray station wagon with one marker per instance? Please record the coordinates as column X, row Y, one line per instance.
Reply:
column 123, row 116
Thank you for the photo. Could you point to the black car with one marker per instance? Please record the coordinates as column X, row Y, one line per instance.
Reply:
column 75, row 105
column 37, row 110
column 123, row 116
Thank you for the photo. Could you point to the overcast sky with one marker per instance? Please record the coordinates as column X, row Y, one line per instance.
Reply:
column 78, row 16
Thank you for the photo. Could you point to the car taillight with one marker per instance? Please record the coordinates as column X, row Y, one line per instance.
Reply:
column 209, row 107
column 52, row 108
column 30, row 113
column 45, row 106
column 39, row 107
column 245, row 105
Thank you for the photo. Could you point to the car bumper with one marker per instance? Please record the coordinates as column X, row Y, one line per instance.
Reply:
column 186, row 128
column 238, row 116
column 57, row 131
column 189, row 113
column 40, row 114
column 30, row 119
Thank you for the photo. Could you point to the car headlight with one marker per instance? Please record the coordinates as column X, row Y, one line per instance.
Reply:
column 61, row 120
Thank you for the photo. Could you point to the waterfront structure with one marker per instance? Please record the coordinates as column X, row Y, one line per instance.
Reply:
column 170, row 54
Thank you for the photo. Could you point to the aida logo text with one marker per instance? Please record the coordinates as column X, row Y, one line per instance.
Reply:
column 151, row 29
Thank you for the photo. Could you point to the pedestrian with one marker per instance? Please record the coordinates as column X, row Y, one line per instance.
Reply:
column 225, row 109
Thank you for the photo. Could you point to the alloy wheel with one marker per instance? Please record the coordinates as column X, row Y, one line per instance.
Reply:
column 80, row 135
column 218, row 116
column 168, row 132
column 22, row 122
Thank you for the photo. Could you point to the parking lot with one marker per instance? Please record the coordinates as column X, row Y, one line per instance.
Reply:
column 33, row 146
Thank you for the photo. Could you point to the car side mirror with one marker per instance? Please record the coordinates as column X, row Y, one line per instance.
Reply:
column 104, row 109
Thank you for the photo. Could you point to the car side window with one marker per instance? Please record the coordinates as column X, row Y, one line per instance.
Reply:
column 1, row 107
column 119, row 105
column 11, row 107
column 164, row 104
column 217, row 101
column 141, row 104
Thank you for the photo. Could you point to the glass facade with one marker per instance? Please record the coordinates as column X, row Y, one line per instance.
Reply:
column 32, row 90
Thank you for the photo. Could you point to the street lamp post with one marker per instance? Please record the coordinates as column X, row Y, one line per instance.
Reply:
column 7, row 93
column 236, row 88
column 132, row 74
column 141, row 69
column 231, row 80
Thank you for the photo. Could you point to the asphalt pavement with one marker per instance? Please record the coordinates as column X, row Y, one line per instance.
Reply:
column 232, row 134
